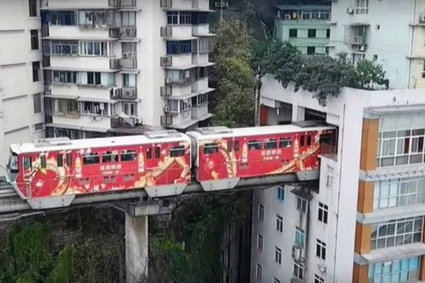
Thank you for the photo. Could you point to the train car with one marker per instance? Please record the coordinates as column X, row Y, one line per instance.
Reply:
column 51, row 172
column 227, row 155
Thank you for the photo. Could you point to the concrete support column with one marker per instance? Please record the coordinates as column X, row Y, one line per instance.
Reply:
column 136, row 248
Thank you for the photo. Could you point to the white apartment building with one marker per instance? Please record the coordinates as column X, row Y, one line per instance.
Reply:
column 364, row 220
column 21, row 81
column 121, row 66
column 390, row 32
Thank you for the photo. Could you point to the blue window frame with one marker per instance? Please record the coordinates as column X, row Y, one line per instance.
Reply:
column 280, row 193
column 179, row 47
column 395, row 271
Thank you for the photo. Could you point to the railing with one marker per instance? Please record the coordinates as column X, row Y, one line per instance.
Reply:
column 128, row 63
column 124, row 93
column 119, row 122
column 45, row 31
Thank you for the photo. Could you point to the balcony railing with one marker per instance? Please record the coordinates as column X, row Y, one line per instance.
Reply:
column 120, row 122
column 124, row 93
column 123, row 32
column 128, row 63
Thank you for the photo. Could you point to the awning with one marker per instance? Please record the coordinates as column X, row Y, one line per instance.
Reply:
column 80, row 69
column 180, row 38
column 207, row 64
column 58, row 96
column 97, row 99
column 64, row 126
column 129, row 71
column 79, row 38
column 189, row 95
column 183, row 67
column 190, row 122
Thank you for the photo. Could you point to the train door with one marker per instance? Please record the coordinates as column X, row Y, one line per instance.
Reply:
column 150, row 161
column 27, row 167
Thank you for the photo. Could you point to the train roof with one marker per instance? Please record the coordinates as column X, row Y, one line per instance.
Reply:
column 220, row 132
column 67, row 144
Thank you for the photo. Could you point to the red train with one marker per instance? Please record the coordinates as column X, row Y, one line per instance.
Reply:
column 50, row 172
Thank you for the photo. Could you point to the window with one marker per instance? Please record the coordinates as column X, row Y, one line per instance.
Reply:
column 254, row 145
column 35, row 71
column 157, row 151
column 27, row 162
column 399, row 192
column 298, row 270
column 128, row 155
column 185, row 18
column 275, row 280
column 177, row 151
column 32, row 8
column 285, row 143
column 362, row 6
column 62, row 18
column 129, row 80
column 109, row 179
column 259, row 272
column 68, row 159
column 311, row 50
column 94, row 108
column 318, row 279
column 329, row 176
column 37, row 103
column 34, row 39
column 401, row 139
column 61, row 47
column 94, row 18
column 93, row 48
column 280, row 193
column 271, row 144
column 149, row 153
column 260, row 242
column 109, row 156
column 210, row 148
column 64, row 77
column 301, row 205
column 172, row 17
column 43, row 161
column 91, row 158
column 328, row 33
column 59, row 159
column 260, row 214
column 128, row 19
column 311, row 33
column 293, row 33
column 128, row 177
column 278, row 255
column 323, row 213
column 321, row 249
column 397, row 232
column 38, row 126
column 403, row 270
column 279, row 223
column 93, row 78
column 179, row 47
column 299, row 237
column 129, row 49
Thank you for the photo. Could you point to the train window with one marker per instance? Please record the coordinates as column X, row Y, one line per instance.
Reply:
column 149, row 153
column 229, row 145
column 308, row 140
column 210, row 148
column 157, row 152
column 283, row 143
column 254, row 145
column 109, row 179
column 27, row 162
column 236, row 146
column 69, row 159
column 59, row 159
column 109, row 156
column 85, row 181
column 91, row 158
column 302, row 138
column 128, row 177
column 177, row 151
column 271, row 144
column 128, row 155
column 43, row 163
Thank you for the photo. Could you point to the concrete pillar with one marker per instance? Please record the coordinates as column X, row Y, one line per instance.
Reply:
column 136, row 248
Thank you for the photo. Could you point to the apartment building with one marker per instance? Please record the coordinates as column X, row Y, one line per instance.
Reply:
column 304, row 26
column 392, row 33
column 124, row 66
column 21, row 80
column 363, row 220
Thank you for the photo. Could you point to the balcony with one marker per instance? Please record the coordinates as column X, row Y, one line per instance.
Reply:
column 177, row 32
column 124, row 94
column 200, row 85
column 124, row 122
column 200, row 111
column 201, row 30
column 201, row 59
column 73, row 32
column 79, row 4
column 128, row 63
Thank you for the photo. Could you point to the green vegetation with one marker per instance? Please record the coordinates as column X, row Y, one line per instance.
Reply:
column 322, row 75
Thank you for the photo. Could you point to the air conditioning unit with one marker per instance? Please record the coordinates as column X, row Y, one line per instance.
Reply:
column 296, row 253
column 350, row 10
column 127, row 32
column 166, row 61
column 129, row 94
column 422, row 18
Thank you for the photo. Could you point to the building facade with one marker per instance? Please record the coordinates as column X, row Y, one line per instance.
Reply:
column 121, row 66
column 21, row 80
column 392, row 33
column 364, row 220
column 304, row 26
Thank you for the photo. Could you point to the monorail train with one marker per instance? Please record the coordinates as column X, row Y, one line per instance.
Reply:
column 51, row 172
